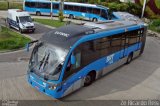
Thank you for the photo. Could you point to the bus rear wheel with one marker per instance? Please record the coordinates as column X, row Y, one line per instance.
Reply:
column 89, row 79
column 71, row 16
column 38, row 13
column 94, row 20
column 130, row 58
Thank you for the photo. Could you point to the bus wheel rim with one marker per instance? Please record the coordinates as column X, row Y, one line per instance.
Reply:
column 87, row 79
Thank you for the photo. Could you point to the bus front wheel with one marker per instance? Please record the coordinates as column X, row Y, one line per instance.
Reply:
column 89, row 79
column 94, row 19
column 38, row 13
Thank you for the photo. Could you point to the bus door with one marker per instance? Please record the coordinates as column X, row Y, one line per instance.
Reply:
column 89, row 13
column 124, row 46
column 139, row 39
column 72, row 80
column 104, row 14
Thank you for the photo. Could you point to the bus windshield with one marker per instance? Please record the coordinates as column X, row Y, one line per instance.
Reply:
column 24, row 19
column 47, row 61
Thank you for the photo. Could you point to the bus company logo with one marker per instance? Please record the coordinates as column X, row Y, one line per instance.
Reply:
column 62, row 34
column 109, row 59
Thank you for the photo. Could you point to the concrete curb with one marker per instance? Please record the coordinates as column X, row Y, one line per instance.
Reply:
column 152, row 33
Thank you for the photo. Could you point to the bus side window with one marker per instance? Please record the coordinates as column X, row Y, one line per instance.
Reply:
column 89, row 10
column 27, row 4
column 70, row 69
column 56, row 6
column 70, row 7
column 96, row 11
column 83, row 9
column 78, row 60
column 132, row 37
column 65, row 7
column 104, row 14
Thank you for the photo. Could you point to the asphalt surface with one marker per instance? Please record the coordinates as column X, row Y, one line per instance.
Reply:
column 138, row 80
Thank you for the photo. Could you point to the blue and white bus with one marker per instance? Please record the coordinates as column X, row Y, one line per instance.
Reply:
column 74, row 56
column 72, row 10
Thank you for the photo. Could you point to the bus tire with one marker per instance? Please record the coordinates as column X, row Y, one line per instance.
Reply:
column 129, row 59
column 94, row 20
column 38, row 13
column 89, row 78
column 71, row 16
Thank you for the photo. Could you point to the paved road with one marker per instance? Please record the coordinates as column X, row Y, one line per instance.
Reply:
column 138, row 80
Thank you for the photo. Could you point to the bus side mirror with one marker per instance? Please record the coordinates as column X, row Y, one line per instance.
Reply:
column 32, row 19
column 27, row 47
column 73, row 59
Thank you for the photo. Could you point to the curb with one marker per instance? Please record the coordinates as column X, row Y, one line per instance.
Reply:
column 153, row 33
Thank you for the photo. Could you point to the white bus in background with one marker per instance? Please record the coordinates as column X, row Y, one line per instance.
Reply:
column 20, row 20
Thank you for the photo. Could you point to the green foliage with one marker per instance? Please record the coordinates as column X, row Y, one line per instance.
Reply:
column 155, row 25
column 10, row 40
column 61, row 17
column 3, row 6
column 15, row 5
column 53, row 23
column 12, row 5
column 128, row 7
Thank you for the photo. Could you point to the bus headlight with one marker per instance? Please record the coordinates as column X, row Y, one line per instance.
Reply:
column 52, row 87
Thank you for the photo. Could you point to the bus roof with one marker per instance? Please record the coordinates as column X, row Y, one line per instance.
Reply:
column 66, row 36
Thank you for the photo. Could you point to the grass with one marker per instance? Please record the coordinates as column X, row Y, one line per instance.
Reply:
column 53, row 23
column 155, row 25
column 12, row 5
column 10, row 40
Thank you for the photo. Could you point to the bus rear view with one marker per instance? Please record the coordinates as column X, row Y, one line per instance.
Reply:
column 74, row 56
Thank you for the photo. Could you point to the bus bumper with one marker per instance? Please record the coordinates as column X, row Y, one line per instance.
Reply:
column 41, row 87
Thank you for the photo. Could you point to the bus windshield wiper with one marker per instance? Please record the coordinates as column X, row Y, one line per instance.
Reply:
column 42, row 61
column 46, row 61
